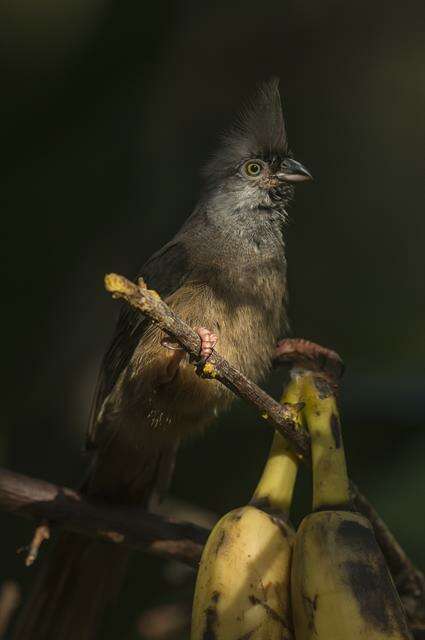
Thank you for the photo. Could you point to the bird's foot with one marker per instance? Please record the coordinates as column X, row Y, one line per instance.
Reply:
column 208, row 342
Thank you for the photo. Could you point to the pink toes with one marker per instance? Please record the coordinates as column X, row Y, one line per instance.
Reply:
column 208, row 341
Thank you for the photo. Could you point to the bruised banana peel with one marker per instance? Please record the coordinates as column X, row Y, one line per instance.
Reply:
column 341, row 588
column 242, row 588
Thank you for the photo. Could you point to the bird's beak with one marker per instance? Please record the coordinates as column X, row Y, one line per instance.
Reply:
column 295, row 172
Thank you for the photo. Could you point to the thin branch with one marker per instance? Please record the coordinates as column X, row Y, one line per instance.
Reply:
column 410, row 582
column 281, row 417
column 129, row 526
column 328, row 368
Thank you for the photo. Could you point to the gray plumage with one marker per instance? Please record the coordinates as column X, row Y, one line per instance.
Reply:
column 225, row 270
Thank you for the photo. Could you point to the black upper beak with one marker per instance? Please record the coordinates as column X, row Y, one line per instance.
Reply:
column 294, row 171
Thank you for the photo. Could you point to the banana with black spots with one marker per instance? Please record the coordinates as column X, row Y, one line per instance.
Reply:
column 242, row 590
column 341, row 587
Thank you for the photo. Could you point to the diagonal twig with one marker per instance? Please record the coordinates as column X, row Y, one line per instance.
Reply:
column 281, row 417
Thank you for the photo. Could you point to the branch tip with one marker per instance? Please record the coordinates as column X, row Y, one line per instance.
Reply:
column 41, row 533
column 118, row 285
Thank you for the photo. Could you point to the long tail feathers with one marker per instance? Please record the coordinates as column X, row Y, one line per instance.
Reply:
column 82, row 576
column 79, row 579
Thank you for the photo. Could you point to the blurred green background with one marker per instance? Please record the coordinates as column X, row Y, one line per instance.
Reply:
column 107, row 112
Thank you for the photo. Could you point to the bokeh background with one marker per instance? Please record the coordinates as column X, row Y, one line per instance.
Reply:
column 108, row 110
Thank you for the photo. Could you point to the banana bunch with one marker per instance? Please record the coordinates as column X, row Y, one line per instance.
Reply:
column 341, row 588
column 259, row 581
column 242, row 589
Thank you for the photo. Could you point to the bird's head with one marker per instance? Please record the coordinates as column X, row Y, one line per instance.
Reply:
column 254, row 163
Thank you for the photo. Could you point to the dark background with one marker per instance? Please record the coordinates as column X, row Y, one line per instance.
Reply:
column 107, row 112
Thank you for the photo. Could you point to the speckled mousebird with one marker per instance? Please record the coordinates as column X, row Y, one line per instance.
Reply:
column 224, row 273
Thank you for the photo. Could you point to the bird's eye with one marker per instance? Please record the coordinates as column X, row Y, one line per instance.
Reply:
column 253, row 168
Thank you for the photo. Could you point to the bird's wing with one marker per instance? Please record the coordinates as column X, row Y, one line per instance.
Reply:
column 165, row 272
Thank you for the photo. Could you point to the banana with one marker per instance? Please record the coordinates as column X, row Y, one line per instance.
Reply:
column 341, row 588
column 242, row 588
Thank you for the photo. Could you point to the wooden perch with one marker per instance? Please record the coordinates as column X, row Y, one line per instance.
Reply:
column 281, row 417
column 328, row 367
column 129, row 526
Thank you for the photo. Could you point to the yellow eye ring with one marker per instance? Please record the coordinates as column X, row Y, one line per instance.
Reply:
column 253, row 168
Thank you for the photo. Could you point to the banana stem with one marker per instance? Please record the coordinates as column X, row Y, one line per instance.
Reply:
column 276, row 486
column 330, row 478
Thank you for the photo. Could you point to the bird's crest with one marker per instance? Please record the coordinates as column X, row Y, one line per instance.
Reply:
column 258, row 130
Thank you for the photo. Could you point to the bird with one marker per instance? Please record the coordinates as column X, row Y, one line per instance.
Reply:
column 224, row 273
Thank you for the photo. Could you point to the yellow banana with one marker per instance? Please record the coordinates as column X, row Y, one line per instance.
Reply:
column 341, row 588
column 242, row 589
